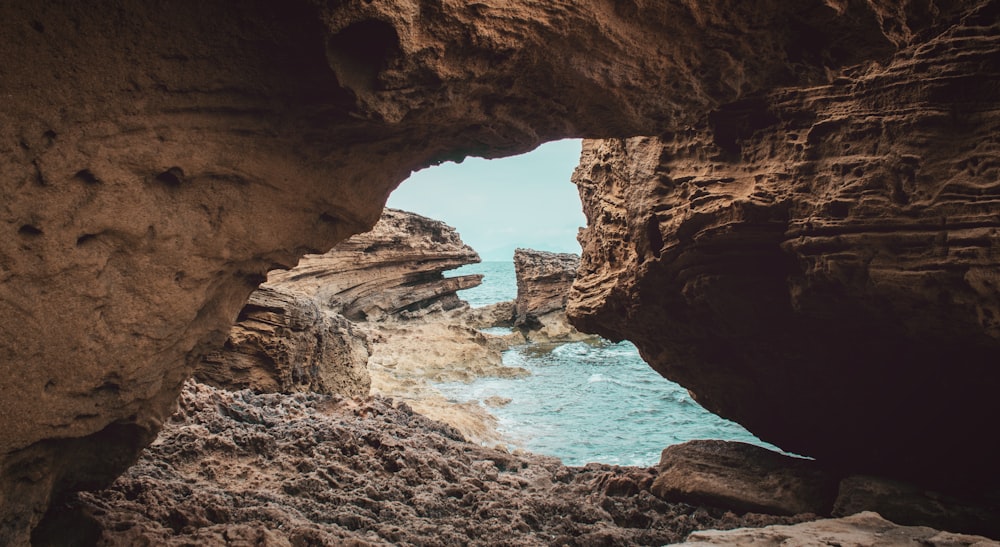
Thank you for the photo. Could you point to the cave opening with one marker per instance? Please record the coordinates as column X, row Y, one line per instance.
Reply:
column 552, row 389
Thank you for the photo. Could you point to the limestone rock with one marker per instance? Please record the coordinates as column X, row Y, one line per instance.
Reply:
column 861, row 530
column 743, row 477
column 543, row 284
column 284, row 342
column 157, row 160
column 395, row 268
column 821, row 265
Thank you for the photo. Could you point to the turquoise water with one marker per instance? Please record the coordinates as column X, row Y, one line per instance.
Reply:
column 586, row 402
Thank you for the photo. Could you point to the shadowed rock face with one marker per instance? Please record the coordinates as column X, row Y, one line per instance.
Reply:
column 821, row 265
column 157, row 160
column 284, row 342
column 293, row 334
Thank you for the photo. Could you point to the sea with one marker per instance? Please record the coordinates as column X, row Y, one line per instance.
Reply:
column 585, row 402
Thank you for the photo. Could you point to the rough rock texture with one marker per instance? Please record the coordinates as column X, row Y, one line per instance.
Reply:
column 395, row 268
column 408, row 356
column 293, row 336
column 156, row 160
column 543, row 284
column 903, row 502
column 240, row 468
column 861, row 530
column 822, row 265
column 284, row 342
column 743, row 477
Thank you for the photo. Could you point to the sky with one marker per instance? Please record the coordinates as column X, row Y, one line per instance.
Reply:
column 498, row 205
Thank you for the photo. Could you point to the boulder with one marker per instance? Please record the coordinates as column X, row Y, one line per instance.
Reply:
column 743, row 477
column 284, row 342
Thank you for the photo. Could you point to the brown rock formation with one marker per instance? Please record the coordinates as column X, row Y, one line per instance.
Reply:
column 861, row 530
column 395, row 268
column 543, row 284
column 743, row 477
column 284, row 342
column 157, row 160
column 821, row 265
column 307, row 469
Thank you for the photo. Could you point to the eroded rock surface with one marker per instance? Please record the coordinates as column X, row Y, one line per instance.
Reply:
column 284, row 342
column 543, row 284
column 821, row 264
column 394, row 270
column 860, row 530
column 234, row 467
column 744, row 477
column 157, row 160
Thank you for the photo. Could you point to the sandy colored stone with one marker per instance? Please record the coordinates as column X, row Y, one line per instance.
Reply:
column 866, row 529
column 409, row 356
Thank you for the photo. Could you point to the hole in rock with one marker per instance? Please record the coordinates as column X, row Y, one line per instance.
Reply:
column 171, row 177
column 29, row 230
column 580, row 401
column 87, row 176
column 361, row 51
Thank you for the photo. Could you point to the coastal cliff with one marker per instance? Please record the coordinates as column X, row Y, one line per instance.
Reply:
column 821, row 265
column 158, row 160
column 543, row 284
column 395, row 269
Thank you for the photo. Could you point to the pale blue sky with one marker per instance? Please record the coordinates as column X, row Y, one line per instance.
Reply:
column 498, row 205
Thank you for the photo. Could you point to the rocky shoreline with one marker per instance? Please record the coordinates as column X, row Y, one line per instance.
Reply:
column 240, row 468
column 271, row 469
column 307, row 457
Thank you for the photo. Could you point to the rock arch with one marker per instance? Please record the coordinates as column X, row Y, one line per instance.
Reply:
column 157, row 160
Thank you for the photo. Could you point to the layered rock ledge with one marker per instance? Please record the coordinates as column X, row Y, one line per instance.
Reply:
column 395, row 269
column 544, row 280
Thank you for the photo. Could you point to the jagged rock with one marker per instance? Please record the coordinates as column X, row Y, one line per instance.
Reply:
column 319, row 470
column 743, row 477
column 821, row 265
column 543, row 283
column 284, row 342
column 396, row 268
column 861, row 530
column 157, row 161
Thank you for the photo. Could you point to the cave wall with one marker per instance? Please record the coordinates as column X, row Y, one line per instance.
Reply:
column 822, row 264
column 156, row 160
